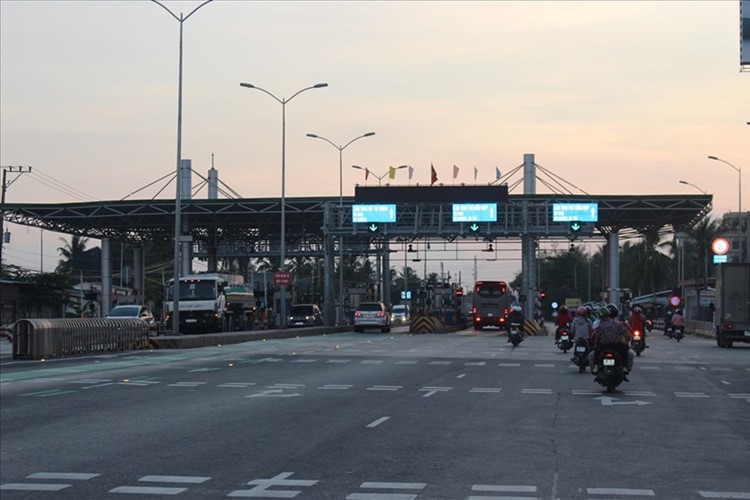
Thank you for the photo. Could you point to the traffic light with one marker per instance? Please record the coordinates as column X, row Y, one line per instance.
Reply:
column 542, row 294
column 459, row 292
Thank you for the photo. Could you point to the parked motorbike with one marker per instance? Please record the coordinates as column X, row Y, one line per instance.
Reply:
column 611, row 370
column 637, row 342
column 565, row 343
column 515, row 334
column 581, row 354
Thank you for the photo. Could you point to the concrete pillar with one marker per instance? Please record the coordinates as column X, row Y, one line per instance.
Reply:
column 528, row 243
column 186, row 190
column 329, row 303
column 212, row 258
column 106, row 277
column 613, row 258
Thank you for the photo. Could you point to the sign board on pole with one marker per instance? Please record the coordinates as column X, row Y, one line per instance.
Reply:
column 282, row 278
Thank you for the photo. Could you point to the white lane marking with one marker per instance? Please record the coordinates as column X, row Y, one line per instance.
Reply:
column 649, row 367
column 90, row 381
column 339, row 361
column 462, row 375
column 725, row 382
column 429, row 391
column 684, row 368
column 286, row 386
column 187, row 384
column 97, row 386
column 536, row 391
column 501, row 487
column 237, row 385
column 509, row 364
column 475, row 363
column 620, row 491
column 407, row 362
column 739, row 396
column 174, row 479
column 691, row 395
column 385, row 387
column 335, row 387
column 394, row 486
column 380, row 496
column 80, row 476
column 724, row 494
column 33, row 487
column 544, row 365
column 147, row 490
column 486, row 390
column 585, row 392
column 306, row 360
column 261, row 487
column 639, row 393
column 440, row 362
column 371, row 362
column 377, row 422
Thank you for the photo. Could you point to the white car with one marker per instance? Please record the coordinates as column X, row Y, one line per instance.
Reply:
column 372, row 315
column 133, row 311
column 400, row 314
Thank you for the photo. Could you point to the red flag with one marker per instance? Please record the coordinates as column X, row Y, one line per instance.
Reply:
column 434, row 175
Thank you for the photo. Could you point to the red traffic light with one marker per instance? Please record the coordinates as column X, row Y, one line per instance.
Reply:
column 459, row 292
column 542, row 294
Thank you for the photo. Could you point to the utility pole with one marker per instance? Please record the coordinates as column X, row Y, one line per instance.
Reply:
column 13, row 170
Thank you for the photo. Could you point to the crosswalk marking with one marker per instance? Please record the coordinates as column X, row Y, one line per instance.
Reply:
column 33, row 487
column 174, row 479
column 724, row 494
column 620, row 491
column 691, row 395
column 148, row 490
column 70, row 476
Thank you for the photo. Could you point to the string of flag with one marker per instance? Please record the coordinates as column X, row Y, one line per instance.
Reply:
column 391, row 173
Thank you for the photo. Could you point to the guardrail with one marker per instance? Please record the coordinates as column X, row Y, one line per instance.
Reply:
column 45, row 338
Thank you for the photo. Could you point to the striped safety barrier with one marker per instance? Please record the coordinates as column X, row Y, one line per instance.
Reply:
column 425, row 324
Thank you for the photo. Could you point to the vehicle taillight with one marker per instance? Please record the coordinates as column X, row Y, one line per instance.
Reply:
column 357, row 314
column 473, row 310
column 609, row 355
column 380, row 314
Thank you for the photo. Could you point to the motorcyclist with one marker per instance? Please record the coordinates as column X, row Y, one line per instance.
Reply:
column 563, row 321
column 638, row 322
column 581, row 326
column 667, row 321
column 677, row 320
column 515, row 317
column 611, row 334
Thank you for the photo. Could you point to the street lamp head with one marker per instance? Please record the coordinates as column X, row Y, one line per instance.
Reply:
column 357, row 167
column 312, row 135
column 248, row 85
column 401, row 166
column 320, row 85
column 369, row 134
column 712, row 158
column 683, row 182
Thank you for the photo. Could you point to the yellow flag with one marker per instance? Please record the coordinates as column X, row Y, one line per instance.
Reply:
column 391, row 172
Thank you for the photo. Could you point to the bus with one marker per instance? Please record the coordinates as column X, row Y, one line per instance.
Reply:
column 491, row 302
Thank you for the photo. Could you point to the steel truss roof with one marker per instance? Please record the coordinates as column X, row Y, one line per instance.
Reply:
column 242, row 227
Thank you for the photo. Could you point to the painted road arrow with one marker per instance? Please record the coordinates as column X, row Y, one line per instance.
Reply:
column 610, row 401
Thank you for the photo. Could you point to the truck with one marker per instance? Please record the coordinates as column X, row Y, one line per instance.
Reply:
column 202, row 302
column 240, row 311
column 732, row 305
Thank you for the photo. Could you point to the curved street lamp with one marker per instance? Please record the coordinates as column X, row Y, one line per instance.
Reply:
column 341, row 205
column 739, row 214
column 178, row 193
column 696, row 187
column 283, row 102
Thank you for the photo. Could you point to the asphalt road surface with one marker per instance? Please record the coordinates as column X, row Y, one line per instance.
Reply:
column 376, row 417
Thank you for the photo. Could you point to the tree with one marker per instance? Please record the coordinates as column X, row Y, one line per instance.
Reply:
column 74, row 255
column 702, row 234
column 43, row 293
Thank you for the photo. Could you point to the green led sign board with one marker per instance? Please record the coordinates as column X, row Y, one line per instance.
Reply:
column 474, row 212
column 373, row 213
column 575, row 212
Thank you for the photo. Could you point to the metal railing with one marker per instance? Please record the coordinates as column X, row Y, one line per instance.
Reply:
column 45, row 338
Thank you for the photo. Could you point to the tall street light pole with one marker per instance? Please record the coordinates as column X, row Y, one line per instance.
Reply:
column 696, row 187
column 739, row 215
column 178, row 180
column 282, row 266
column 341, row 210
column 5, row 184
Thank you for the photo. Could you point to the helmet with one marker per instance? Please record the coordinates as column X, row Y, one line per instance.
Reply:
column 637, row 310
column 613, row 311
column 603, row 312
column 563, row 308
column 516, row 308
column 581, row 311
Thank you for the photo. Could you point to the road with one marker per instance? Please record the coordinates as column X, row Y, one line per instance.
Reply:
column 376, row 417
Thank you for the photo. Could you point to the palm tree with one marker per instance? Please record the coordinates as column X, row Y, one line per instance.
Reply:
column 73, row 255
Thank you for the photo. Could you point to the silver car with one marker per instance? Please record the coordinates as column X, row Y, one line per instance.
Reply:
column 400, row 314
column 372, row 315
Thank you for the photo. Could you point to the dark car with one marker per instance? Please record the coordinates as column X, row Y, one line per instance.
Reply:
column 372, row 315
column 304, row 315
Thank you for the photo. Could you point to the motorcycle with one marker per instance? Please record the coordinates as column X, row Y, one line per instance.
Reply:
column 581, row 354
column 515, row 335
column 565, row 343
column 637, row 342
column 676, row 332
column 611, row 370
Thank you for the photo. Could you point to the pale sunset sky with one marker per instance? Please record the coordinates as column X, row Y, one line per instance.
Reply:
column 615, row 97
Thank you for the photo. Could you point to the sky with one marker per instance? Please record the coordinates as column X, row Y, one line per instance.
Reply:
column 614, row 97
